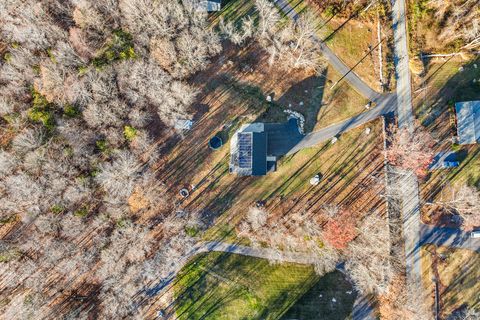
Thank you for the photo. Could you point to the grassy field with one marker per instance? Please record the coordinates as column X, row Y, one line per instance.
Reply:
column 339, row 103
column 458, row 273
column 226, row 286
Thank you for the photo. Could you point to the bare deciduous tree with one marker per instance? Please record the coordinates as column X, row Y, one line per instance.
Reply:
column 118, row 178
column 466, row 202
column 6, row 106
column 238, row 35
column 412, row 151
column 293, row 45
column 462, row 22
column 268, row 18
column 368, row 262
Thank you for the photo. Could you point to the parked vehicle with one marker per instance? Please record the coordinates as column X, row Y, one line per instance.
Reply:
column 475, row 234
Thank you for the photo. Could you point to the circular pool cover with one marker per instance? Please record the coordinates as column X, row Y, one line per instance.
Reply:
column 215, row 143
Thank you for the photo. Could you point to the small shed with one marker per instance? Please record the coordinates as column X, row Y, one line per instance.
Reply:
column 183, row 124
column 208, row 6
column 468, row 122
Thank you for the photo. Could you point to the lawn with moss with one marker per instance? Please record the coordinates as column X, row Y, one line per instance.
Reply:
column 228, row 286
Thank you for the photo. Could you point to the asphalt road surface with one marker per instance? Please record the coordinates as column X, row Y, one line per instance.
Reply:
column 401, row 61
column 411, row 199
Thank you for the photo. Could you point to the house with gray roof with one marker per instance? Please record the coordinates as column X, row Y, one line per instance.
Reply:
column 248, row 151
column 468, row 122
column 255, row 147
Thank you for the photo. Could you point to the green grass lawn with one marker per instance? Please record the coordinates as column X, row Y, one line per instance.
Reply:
column 228, row 286
column 339, row 103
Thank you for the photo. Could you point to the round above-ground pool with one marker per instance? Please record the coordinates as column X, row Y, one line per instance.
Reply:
column 215, row 143
column 184, row 193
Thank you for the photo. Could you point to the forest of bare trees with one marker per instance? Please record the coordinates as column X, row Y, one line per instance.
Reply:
column 85, row 88
column 457, row 21
column 292, row 45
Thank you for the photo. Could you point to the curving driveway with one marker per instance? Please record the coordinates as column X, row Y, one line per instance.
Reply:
column 345, row 71
column 385, row 103
column 385, row 106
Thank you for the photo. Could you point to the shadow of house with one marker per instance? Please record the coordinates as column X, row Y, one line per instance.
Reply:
column 310, row 91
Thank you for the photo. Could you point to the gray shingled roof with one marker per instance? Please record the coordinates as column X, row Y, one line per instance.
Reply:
column 468, row 121
column 251, row 158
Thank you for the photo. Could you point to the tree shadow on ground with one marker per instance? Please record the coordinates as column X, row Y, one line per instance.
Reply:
column 439, row 117
column 309, row 92
column 317, row 302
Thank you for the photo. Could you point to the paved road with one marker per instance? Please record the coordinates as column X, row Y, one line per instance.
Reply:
column 411, row 230
column 448, row 237
column 334, row 61
column 401, row 61
column 411, row 198
column 386, row 105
